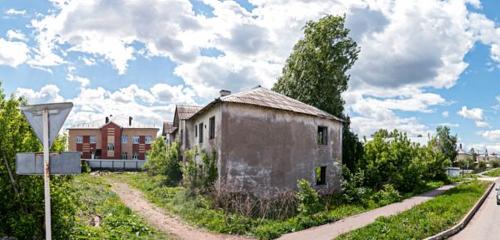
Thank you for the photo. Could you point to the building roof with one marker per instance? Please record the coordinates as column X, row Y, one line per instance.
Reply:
column 168, row 128
column 118, row 120
column 263, row 97
column 186, row 111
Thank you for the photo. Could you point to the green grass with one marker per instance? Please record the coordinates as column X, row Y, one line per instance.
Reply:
column 117, row 221
column 426, row 219
column 493, row 173
column 199, row 211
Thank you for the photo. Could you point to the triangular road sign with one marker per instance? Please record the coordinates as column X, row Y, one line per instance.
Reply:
column 58, row 112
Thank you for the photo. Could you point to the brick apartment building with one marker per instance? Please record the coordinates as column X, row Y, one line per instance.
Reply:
column 112, row 141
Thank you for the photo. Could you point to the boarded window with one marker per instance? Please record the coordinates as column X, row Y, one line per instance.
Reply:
column 200, row 133
column 322, row 135
column 211, row 128
column 320, row 173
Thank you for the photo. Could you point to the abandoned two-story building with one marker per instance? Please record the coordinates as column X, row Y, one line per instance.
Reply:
column 264, row 141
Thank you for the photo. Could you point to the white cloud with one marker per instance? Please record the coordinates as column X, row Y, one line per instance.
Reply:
column 475, row 114
column 48, row 93
column 445, row 114
column 13, row 53
column 14, row 12
column 16, row 35
column 493, row 135
column 482, row 124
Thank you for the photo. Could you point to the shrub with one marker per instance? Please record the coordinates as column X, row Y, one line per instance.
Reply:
column 199, row 176
column 388, row 194
column 164, row 160
column 309, row 202
column 495, row 163
column 352, row 186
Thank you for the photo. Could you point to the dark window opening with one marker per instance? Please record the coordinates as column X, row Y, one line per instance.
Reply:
column 195, row 131
column 211, row 128
column 200, row 134
column 322, row 135
column 320, row 173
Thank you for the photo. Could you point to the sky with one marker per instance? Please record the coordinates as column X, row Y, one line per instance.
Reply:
column 422, row 64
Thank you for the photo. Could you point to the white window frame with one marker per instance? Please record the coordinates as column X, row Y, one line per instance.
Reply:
column 92, row 138
column 124, row 139
column 135, row 139
column 148, row 139
column 135, row 155
column 79, row 139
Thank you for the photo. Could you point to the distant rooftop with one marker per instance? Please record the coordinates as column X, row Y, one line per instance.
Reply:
column 186, row 111
column 120, row 120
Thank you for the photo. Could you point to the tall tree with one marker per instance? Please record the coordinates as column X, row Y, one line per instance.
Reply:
column 446, row 143
column 316, row 73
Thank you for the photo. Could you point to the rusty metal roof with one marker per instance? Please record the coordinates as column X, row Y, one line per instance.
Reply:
column 186, row 111
column 263, row 97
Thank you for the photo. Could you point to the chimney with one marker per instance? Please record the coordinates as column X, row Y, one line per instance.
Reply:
column 130, row 121
column 107, row 119
column 224, row 93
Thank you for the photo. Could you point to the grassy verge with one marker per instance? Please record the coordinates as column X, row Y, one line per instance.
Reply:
column 116, row 220
column 199, row 211
column 426, row 219
column 493, row 173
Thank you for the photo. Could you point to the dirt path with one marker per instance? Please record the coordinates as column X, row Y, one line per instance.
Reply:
column 157, row 217
column 333, row 230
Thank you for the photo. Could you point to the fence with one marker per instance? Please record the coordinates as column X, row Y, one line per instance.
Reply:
column 115, row 164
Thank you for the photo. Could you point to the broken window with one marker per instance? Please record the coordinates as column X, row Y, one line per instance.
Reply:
column 211, row 128
column 200, row 133
column 320, row 173
column 322, row 135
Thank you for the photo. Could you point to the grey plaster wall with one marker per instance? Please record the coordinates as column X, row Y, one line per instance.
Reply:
column 265, row 150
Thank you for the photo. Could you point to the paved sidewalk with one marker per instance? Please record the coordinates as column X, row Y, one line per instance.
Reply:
column 332, row 230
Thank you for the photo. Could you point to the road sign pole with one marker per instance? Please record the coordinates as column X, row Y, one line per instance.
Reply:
column 46, row 178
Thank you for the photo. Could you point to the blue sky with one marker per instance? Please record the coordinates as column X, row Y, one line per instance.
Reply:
column 422, row 63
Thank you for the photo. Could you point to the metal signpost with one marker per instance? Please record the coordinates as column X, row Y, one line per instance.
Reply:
column 46, row 121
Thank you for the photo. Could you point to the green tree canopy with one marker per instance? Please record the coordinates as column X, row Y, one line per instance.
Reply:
column 316, row 73
column 446, row 143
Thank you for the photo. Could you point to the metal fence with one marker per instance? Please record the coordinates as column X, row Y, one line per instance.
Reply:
column 115, row 164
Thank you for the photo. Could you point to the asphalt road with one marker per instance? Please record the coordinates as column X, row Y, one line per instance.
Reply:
column 485, row 224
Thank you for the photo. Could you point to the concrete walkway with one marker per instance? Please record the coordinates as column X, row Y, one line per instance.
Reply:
column 333, row 230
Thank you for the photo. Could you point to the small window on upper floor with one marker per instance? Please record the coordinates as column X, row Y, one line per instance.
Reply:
column 79, row 139
column 92, row 139
column 320, row 173
column 211, row 128
column 135, row 139
column 124, row 139
column 148, row 139
column 322, row 135
column 111, row 147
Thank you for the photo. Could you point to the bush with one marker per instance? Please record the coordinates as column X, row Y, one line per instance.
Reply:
column 352, row 186
column 199, row 176
column 495, row 163
column 387, row 195
column 163, row 160
column 309, row 202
